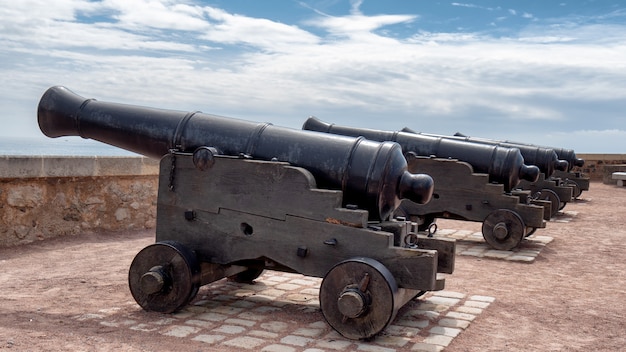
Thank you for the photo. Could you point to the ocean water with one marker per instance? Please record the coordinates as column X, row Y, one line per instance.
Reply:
column 62, row 146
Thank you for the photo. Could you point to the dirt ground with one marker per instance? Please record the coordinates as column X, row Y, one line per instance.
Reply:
column 572, row 298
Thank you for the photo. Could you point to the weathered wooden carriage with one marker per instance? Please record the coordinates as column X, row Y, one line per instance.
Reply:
column 473, row 182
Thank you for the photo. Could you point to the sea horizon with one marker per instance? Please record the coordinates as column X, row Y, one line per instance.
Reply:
column 62, row 146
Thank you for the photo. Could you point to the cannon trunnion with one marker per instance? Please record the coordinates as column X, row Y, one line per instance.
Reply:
column 220, row 216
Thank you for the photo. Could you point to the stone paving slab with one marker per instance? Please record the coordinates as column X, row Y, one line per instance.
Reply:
column 472, row 243
column 564, row 216
column 280, row 313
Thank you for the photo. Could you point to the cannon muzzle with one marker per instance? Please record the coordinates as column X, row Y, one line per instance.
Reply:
column 504, row 165
column 372, row 175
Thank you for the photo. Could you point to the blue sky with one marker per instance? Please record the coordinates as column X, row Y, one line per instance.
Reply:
column 545, row 72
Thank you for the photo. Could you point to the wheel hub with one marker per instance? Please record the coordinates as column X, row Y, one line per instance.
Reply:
column 500, row 231
column 351, row 303
column 153, row 281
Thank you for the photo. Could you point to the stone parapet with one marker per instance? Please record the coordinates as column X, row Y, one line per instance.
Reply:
column 45, row 197
column 599, row 167
column 75, row 166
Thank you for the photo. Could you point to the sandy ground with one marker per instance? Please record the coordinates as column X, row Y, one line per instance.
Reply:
column 572, row 298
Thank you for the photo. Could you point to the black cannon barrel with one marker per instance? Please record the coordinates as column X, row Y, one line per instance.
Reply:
column 545, row 158
column 372, row 175
column 564, row 155
column 504, row 165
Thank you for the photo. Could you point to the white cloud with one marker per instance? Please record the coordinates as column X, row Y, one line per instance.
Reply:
column 41, row 24
column 357, row 26
column 474, row 6
column 146, row 14
column 258, row 32
column 464, row 5
column 551, row 78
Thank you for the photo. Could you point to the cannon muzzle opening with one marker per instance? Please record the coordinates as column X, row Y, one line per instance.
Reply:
column 315, row 124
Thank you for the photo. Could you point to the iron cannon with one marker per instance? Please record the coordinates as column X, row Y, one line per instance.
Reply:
column 466, row 183
column 564, row 155
column 545, row 187
column 545, row 159
column 576, row 180
column 503, row 165
column 558, row 184
column 372, row 175
column 238, row 197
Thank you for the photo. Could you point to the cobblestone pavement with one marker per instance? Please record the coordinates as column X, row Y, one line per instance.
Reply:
column 280, row 311
column 269, row 315
column 260, row 316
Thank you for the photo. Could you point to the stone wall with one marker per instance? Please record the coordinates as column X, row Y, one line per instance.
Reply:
column 45, row 197
column 599, row 167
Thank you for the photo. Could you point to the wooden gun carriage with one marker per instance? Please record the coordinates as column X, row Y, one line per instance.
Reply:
column 473, row 182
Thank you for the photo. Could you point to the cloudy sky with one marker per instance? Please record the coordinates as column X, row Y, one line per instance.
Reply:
column 544, row 72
